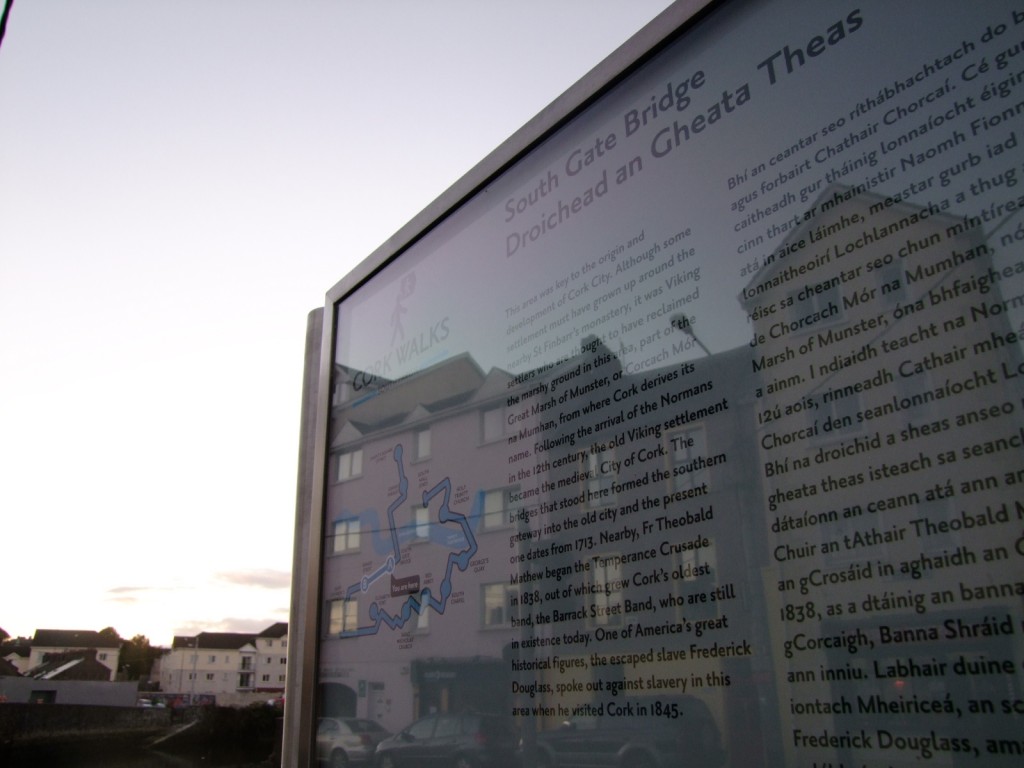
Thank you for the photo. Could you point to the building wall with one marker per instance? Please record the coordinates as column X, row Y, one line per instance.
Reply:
column 205, row 670
column 271, row 663
column 87, row 692
column 396, row 674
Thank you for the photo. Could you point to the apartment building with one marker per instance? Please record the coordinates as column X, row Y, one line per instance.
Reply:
column 233, row 666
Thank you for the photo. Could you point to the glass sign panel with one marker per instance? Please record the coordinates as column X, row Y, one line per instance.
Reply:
column 696, row 436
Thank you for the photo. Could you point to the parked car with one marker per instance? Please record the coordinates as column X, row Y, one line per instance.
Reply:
column 343, row 741
column 675, row 732
column 452, row 741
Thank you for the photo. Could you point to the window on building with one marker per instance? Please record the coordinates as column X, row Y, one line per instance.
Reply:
column 692, row 564
column 101, row 656
column 244, row 680
column 495, row 604
column 685, row 446
column 270, row 643
column 496, row 502
column 602, row 475
column 493, row 427
column 213, row 659
column 829, row 300
column 606, row 576
column 423, row 444
column 209, row 675
column 346, row 535
column 284, row 660
column 247, row 662
column 266, row 678
column 891, row 284
column 343, row 616
column 422, row 517
column 350, row 464
column 839, row 411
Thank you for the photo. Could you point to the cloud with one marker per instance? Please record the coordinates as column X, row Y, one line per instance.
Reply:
column 266, row 578
column 131, row 595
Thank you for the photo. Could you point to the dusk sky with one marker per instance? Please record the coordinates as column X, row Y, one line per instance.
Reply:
column 180, row 184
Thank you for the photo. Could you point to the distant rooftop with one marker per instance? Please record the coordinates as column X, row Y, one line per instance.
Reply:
column 72, row 638
column 228, row 640
column 280, row 629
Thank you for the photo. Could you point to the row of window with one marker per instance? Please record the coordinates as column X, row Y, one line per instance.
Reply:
column 245, row 679
column 685, row 446
column 346, row 532
column 349, row 464
column 343, row 616
column 212, row 659
column 211, row 676
column 493, row 420
column 499, row 601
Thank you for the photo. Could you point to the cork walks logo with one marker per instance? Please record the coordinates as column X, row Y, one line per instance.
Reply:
column 405, row 292
column 409, row 341
column 407, row 347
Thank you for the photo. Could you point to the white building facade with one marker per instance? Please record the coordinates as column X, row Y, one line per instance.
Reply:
column 235, row 668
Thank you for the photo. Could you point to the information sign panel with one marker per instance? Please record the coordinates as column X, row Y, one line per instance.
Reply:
column 697, row 431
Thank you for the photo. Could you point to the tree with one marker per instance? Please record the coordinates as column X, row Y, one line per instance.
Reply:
column 109, row 633
column 137, row 657
column 3, row 634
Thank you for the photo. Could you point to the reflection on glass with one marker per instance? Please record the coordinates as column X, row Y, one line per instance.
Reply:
column 726, row 470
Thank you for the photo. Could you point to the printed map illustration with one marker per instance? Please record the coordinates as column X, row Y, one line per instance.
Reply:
column 444, row 551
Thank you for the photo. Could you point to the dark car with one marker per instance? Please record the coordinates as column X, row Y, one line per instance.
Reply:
column 677, row 731
column 341, row 741
column 452, row 741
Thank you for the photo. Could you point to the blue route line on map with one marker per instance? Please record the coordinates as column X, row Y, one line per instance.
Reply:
column 426, row 598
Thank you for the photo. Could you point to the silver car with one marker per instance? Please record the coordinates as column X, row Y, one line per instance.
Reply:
column 343, row 741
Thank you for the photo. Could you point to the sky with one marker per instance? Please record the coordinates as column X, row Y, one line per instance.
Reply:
column 181, row 182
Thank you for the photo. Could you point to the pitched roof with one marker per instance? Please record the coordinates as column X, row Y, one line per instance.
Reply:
column 76, row 665
column 214, row 640
column 228, row 640
column 280, row 629
column 72, row 638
